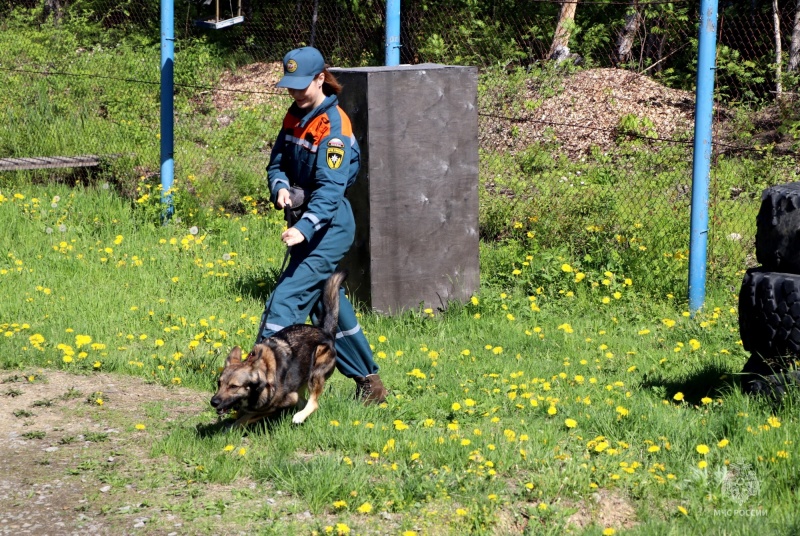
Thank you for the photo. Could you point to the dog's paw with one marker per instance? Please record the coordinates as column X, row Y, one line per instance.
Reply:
column 299, row 418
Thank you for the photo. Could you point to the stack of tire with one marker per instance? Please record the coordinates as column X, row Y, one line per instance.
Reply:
column 769, row 299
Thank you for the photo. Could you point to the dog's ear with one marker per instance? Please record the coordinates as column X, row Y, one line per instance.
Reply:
column 235, row 357
column 258, row 369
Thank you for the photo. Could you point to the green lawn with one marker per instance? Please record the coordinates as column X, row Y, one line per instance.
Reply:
column 573, row 400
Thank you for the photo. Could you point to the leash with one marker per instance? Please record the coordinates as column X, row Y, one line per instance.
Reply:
column 288, row 216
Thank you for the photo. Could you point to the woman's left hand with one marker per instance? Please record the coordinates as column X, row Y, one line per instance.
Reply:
column 292, row 236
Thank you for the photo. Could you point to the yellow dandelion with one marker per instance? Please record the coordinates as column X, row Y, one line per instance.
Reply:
column 774, row 422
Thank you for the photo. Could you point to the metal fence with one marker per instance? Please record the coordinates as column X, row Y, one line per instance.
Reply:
column 599, row 141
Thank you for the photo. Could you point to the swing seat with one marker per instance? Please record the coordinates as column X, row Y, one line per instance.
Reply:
column 217, row 22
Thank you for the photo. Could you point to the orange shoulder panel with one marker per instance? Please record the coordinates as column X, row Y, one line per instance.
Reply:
column 347, row 128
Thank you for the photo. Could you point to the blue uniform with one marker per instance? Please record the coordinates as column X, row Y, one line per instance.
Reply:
column 316, row 151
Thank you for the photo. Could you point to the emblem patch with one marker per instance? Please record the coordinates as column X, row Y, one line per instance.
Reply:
column 291, row 66
column 334, row 156
column 336, row 142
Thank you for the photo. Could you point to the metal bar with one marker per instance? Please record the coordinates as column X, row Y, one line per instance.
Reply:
column 704, row 107
column 167, row 105
column 392, row 33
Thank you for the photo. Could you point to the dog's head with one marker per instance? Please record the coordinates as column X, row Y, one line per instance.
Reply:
column 241, row 382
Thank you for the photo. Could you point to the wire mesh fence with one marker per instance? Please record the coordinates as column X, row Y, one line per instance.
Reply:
column 586, row 108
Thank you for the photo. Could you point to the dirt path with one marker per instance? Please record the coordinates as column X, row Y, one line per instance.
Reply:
column 55, row 427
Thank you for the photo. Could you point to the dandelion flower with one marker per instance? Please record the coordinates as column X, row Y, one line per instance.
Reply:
column 678, row 396
column 365, row 508
column 702, row 449
column 774, row 422
column 140, row 426
column 570, row 423
column 723, row 443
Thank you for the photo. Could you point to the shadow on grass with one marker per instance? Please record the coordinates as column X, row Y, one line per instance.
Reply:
column 267, row 424
column 258, row 286
column 711, row 381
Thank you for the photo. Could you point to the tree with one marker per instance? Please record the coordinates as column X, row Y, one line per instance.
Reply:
column 776, row 15
column 52, row 7
column 794, row 48
column 633, row 20
column 559, row 50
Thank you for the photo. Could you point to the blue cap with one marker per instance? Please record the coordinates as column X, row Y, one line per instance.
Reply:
column 300, row 66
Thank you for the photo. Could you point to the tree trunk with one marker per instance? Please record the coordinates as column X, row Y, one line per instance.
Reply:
column 778, row 59
column 794, row 48
column 566, row 20
column 654, row 51
column 52, row 7
column 625, row 38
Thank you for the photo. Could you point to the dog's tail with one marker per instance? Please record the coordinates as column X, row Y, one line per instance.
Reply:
column 330, row 302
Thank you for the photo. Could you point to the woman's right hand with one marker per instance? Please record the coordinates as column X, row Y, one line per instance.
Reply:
column 283, row 199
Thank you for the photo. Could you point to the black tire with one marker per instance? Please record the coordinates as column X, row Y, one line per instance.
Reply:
column 769, row 317
column 778, row 229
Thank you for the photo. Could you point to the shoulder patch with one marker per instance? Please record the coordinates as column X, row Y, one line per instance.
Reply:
column 335, row 142
column 334, row 157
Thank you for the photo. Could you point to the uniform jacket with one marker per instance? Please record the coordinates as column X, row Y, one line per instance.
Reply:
column 318, row 153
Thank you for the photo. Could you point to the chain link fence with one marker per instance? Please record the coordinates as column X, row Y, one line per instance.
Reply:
column 586, row 108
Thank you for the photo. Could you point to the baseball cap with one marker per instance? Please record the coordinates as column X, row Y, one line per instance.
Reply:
column 300, row 66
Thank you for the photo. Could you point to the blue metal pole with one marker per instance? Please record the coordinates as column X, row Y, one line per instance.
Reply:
column 167, row 105
column 704, row 105
column 392, row 33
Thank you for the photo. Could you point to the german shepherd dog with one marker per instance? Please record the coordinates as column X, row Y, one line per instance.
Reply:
column 283, row 367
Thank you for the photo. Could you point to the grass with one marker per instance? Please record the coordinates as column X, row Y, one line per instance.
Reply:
column 517, row 411
column 573, row 393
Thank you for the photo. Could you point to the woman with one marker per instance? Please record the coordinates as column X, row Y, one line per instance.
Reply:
column 314, row 160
